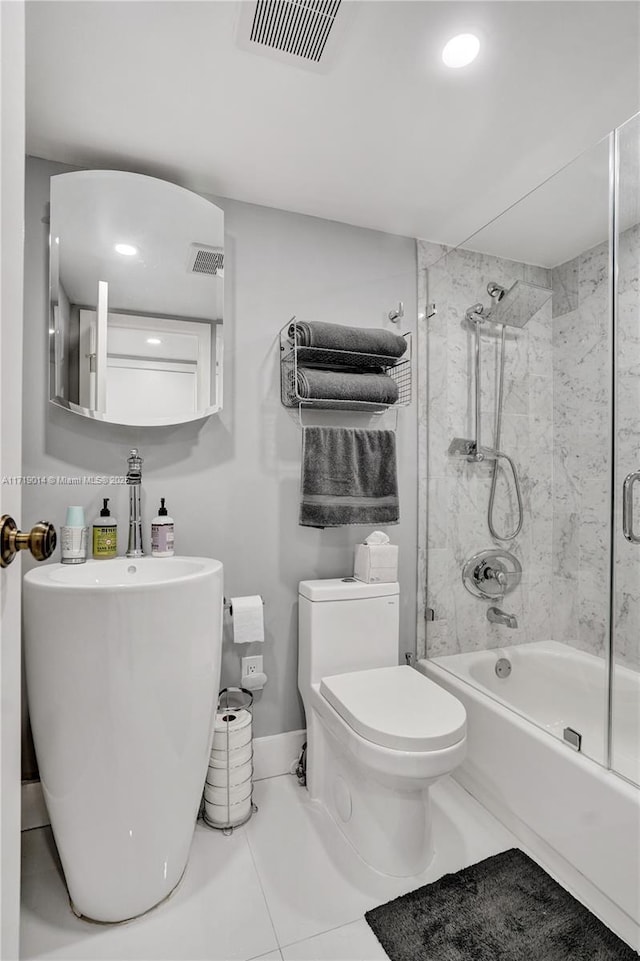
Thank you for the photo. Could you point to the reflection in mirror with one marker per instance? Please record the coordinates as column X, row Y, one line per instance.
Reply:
column 136, row 290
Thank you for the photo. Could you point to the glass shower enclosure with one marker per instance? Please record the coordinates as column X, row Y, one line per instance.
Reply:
column 529, row 454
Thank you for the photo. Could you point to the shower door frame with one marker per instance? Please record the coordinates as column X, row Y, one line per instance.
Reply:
column 426, row 258
column 613, row 425
column 618, row 476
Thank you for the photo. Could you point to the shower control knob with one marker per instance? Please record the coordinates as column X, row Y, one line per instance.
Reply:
column 492, row 574
column 498, row 575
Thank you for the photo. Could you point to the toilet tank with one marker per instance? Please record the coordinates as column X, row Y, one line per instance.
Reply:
column 345, row 625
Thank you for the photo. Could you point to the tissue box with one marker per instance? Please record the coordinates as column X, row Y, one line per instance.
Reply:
column 376, row 563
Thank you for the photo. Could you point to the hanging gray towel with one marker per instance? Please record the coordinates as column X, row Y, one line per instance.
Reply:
column 348, row 477
column 367, row 340
column 312, row 384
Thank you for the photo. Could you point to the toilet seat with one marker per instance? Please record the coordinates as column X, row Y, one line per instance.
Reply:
column 397, row 708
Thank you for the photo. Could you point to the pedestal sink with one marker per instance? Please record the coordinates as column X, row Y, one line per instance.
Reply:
column 123, row 670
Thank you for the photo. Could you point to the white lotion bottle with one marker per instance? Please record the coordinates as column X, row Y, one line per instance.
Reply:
column 162, row 533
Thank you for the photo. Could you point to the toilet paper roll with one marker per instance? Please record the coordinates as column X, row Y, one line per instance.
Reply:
column 232, row 729
column 248, row 619
column 218, row 795
column 220, row 814
column 233, row 740
column 235, row 757
column 218, row 776
column 232, row 720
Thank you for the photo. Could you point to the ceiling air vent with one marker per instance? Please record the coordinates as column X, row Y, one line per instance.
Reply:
column 206, row 260
column 301, row 32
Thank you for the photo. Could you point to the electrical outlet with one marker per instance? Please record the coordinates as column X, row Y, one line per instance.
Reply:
column 252, row 665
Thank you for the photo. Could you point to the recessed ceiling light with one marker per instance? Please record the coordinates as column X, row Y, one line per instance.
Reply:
column 153, row 340
column 127, row 250
column 461, row 50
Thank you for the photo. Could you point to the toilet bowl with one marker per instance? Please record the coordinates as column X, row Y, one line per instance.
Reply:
column 377, row 735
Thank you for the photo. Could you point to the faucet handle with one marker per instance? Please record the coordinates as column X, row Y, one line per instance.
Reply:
column 492, row 573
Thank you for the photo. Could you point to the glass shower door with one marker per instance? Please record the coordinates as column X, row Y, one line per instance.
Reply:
column 625, row 675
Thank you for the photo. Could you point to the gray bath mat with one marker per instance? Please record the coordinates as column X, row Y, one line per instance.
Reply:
column 505, row 908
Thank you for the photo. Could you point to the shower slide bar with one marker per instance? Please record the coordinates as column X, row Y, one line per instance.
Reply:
column 510, row 308
column 473, row 449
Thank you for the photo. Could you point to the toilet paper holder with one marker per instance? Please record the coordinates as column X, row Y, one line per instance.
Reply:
column 228, row 606
column 230, row 771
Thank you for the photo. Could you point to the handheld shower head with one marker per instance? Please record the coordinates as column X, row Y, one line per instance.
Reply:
column 476, row 314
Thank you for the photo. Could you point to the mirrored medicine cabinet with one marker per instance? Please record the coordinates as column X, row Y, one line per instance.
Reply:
column 136, row 299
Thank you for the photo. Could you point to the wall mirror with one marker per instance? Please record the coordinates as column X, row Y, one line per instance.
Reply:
column 136, row 293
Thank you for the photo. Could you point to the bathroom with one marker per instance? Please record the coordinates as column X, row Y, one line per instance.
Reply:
column 441, row 189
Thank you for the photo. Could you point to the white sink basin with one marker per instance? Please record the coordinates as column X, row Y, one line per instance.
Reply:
column 120, row 573
column 123, row 671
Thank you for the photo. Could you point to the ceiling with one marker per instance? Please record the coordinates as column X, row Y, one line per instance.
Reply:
column 386, row 137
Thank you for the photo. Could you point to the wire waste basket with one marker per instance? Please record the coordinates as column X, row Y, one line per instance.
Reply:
column 228, row 789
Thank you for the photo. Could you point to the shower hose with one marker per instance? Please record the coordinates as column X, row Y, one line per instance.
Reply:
column 498, row 454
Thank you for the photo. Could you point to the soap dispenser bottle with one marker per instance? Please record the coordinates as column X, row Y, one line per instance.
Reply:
column 105, row 533
column 162, row 533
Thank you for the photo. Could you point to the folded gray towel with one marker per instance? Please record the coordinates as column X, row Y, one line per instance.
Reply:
column 312, row 384
column 356, row 339
column 348, row 477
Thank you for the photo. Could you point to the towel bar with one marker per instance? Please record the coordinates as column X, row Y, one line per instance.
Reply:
column 386, row 419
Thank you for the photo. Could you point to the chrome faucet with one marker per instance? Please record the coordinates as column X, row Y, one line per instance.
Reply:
column 496, row 616
column 134, row 480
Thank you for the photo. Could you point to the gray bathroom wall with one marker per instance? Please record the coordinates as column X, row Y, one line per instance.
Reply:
column 232, row 482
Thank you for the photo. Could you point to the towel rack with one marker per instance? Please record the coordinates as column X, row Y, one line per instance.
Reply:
column 293, row 356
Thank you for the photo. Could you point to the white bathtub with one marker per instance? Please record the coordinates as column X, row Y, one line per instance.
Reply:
column 557, row 686
column 581, row 820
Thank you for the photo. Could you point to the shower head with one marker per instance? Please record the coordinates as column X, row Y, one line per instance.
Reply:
column 516, row 306
column 495, row 290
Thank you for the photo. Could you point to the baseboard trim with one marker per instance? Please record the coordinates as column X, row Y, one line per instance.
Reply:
column 34, row 809
column 272, row 756
column 275, row 755
column 555, row 864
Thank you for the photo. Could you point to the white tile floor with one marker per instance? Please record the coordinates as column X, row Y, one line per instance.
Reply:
column 285, row 886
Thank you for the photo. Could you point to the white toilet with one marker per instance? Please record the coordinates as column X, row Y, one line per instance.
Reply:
column 378, row 735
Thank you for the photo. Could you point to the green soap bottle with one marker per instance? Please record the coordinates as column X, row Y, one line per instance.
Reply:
column 105, row 534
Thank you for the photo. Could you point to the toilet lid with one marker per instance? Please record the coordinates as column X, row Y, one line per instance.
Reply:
column 397, row 707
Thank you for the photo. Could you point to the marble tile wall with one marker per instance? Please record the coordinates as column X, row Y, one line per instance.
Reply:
column 454, row 494
column 582, row 449
column 556, row 426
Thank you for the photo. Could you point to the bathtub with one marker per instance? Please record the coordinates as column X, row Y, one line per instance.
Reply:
column 559, row 687
column 579, row 819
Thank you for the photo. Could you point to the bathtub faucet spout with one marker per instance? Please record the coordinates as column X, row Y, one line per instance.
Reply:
column 496, row 616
